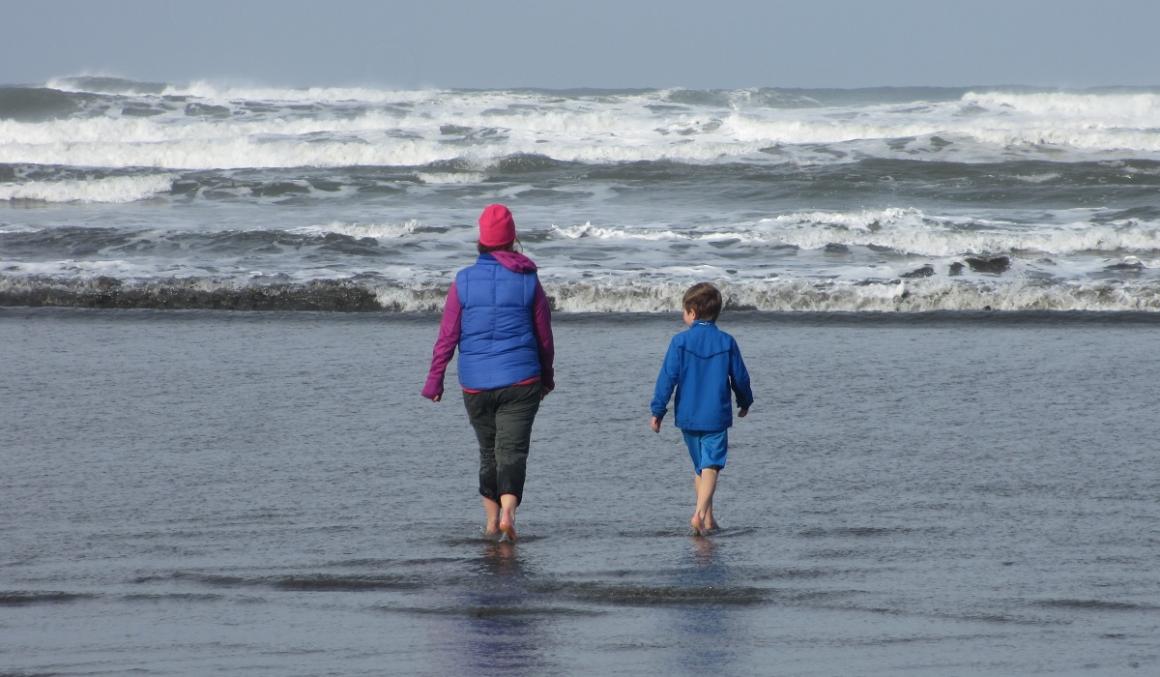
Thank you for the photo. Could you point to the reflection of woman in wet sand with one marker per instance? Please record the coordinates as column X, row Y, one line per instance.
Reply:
column 498, row 316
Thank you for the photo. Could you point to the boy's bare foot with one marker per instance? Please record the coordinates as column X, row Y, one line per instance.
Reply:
column 490, row 531
column 697, row 525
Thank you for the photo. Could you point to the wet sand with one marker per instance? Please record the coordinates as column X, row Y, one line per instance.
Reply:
column 248, row 493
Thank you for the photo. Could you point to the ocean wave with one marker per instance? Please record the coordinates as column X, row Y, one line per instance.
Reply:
column 377, row 231
column 210, row 91
column 1132, row 108
column 450, row 178
column 587, row 230
column 187, row 293
column 114, row 189
column 35, row 104
column 911, row 231
column 104, row 84
column 205, row 126
column 851, row 246
column 148, row 142
column 627, row 296
column 905, row 231
column 1038, row 178
column 144, row 143
column 145, row 253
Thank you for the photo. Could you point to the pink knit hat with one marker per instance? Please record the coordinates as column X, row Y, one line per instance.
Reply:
column 496, row 226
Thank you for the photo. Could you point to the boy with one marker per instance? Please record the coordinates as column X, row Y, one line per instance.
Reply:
column 703, row 363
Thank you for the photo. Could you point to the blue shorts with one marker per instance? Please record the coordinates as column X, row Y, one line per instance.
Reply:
column 708, row 450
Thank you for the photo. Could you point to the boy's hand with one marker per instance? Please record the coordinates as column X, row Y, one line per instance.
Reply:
column 741, row 413
column 655, row 424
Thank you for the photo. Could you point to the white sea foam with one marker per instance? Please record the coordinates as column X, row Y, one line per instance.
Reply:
column 410, row 128
column 378, row 231
column 1139, row 109
column 216, row 92
column 116, row 142
column 795, row 294
column 450, row 178
column 587, row 230
column 115, row 189
column 913, row 232
column 902, row 230
column 1037, row 178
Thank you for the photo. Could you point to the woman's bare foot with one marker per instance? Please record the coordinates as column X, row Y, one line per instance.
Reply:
column 697, row 525
column 507, row 529
column 507, row 516
column 490, row 518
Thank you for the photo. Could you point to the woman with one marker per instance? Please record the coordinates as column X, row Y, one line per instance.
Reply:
column 497, row 314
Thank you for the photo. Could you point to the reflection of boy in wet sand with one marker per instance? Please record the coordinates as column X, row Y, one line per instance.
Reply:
column 703, row 364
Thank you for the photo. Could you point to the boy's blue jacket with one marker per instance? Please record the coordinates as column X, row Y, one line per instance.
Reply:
column 703, row 363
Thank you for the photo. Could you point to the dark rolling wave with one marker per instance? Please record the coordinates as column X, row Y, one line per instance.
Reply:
column 75, row 242
column 111, row 85
column 186, row 294
column 1021, row 183
column 24, row 598
column 371, row 292
column 34, row 104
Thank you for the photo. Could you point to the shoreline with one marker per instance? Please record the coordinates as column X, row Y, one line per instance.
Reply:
column 1129, row 289
column 752, row 317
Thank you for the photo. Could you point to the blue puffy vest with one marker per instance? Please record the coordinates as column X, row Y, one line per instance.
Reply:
column 497, row 339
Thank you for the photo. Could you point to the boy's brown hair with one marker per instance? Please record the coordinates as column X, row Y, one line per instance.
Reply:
column 703, row 300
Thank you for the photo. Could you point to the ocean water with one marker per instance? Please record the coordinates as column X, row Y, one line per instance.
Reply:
column 947, row 298
column 203, row 492
column 116, row 193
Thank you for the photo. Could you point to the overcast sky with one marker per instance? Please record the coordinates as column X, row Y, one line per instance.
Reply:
column 586, row 43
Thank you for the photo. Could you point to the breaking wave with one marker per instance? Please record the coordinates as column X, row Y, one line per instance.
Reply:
column 111, row 122
column 115, row 189
column 640, row 296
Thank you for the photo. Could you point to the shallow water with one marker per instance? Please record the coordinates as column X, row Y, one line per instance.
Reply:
column 194, row 492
